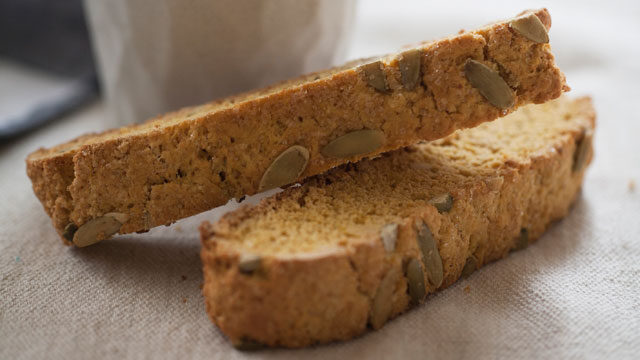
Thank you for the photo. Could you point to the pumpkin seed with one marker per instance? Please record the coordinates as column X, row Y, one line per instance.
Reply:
column 531, row 27
column 247, row 345
column 490, row 84
column 430, row 255
column 469, row 267
column 69, row 231
column 383, row 300
column 415, row 278
column 523, row 240
column 98, row 229
column 374, row 75
column 581, row 153
column 354, row 143
column 286, row 168
column 389, row 235
column 118, row 216
column 443, row 202
column 409, row 65
column 249, row 263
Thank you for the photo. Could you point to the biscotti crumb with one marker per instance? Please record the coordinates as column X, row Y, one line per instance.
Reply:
column 467, row 289
column 632, row 185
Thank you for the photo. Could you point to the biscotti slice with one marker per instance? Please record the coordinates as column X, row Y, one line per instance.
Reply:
column 362, row 243
column 134, row 178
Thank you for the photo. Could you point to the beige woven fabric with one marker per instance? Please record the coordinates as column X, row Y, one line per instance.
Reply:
column 573, row 294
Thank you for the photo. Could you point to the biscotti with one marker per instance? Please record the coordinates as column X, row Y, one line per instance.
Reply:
column 362, row 243
column 134, row 178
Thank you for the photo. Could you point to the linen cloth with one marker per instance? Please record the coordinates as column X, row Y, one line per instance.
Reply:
column 573, row 294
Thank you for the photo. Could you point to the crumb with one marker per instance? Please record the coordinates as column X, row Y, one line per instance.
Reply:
column 467, row 289
column 183, row 277
column 632, row 185
column 178, row 228
column 184, row 300
column 201, row 286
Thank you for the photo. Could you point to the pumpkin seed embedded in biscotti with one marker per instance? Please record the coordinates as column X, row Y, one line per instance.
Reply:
column 409, row 65
column 581, row 153
column 249, row 263
column 490, row 84
column 118, row 216
column 442, row 202
column 98, row 229
column 247, row 345
column 469, row 266
column 530, row 27
column 286, row 168
column 415, row 278
column 430, row 255
column 374, row 75
column 383, row 300
column 69, row 231
column 357, row 142
column 523, row 240
column 389, row 235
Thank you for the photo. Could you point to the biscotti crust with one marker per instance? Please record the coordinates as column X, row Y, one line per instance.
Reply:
column 197, row 158
column 300, row 299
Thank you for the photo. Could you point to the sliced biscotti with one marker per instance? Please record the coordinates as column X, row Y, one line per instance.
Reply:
column 177, row 165
column 362, row 243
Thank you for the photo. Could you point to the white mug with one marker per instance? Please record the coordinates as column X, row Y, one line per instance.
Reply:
column 156, row 56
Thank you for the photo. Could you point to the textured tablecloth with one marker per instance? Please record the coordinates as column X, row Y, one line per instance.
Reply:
column 573, row 294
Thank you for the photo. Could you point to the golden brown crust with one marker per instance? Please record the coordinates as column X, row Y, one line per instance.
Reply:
column 300, row 297
column 197, row 158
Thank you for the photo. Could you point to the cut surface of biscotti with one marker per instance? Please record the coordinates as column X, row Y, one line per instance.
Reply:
column 189, row 161
column 358, row 245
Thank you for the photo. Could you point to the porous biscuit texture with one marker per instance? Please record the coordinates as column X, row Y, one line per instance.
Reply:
column 200, row 157
column 355, row 247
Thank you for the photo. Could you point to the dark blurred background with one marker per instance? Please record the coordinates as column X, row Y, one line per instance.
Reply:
column 49, row 37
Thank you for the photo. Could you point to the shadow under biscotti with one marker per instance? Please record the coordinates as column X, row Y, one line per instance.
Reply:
column 163, row 266
column 162, row 253
column 138, row 256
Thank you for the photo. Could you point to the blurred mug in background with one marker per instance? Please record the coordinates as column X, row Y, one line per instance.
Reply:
column 155, row 56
